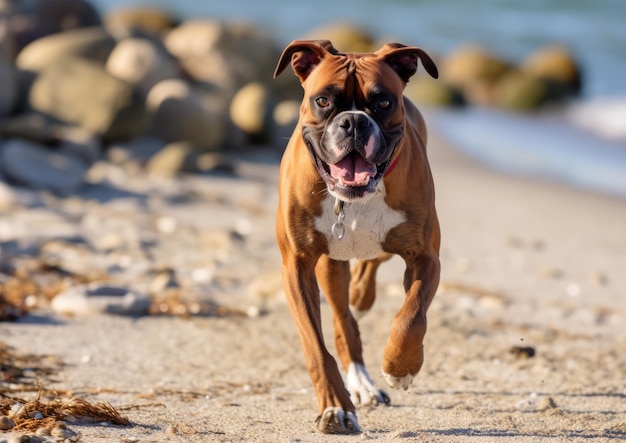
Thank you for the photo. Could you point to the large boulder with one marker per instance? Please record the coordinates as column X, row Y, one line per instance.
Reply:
column 556, row 65
column 141, row 62
column 30, row 20
column 424, row 90
column 474, row 71
column 81, row 92
column 90, row 43
column 38, row 167
column 185, row 113
column 346, row 37
column 519, row 92
column 8, row 86
column 137, row 20
column 251, row 111
column 228, row 55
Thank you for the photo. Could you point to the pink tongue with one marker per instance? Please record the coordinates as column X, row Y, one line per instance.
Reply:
column 353, row 169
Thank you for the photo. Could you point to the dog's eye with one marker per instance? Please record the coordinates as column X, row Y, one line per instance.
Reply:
column 384, row 103
column 322, row 102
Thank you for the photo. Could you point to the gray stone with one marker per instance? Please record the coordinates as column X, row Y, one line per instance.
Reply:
column 151, row 20
column 81, row 92
column 141, row 62
column 37, row 167
column 8, row 86
column 182, row 113
column 100, row 298
column 30, row 20
column 251, row 109
column 173, row 159
column 241, row 51
column 7, row 198
column 92, row 43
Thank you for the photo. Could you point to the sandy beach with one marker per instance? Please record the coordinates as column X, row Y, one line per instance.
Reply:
column 526, row 335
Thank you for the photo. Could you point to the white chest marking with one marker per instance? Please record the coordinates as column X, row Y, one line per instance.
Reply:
column 366, row 226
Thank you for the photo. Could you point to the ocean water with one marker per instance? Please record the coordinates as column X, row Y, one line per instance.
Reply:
column 584, row 145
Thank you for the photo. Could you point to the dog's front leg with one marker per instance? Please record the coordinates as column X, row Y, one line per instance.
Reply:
column 404, row 353
column 336, row 409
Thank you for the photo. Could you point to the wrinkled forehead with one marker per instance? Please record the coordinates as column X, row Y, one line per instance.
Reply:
column 353, row 74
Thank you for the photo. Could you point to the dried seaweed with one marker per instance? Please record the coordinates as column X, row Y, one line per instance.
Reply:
column 37, row 414
column 18, row 374
column 171, row 302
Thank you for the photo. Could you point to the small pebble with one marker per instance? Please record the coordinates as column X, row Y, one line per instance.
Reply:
column 253, row 311
column 6, row 423
column 60, row 432
column 15, row 410
column 573, row 290
column 522, row 352
column 43, row 432
column 547, row 403
column 599, row 279
column 171, row 430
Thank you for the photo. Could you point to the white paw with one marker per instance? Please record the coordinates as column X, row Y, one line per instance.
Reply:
column 361, row 387
column 399, row 382
column 338, row 421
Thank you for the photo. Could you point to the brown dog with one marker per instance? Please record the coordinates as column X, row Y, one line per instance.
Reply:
column 355, row 184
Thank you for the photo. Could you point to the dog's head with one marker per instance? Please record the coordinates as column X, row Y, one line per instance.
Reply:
column 352, row 114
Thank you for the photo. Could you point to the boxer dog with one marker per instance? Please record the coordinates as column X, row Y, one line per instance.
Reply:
column 355, row 183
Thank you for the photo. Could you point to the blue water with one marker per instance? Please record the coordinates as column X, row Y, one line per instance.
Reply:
column 594, row 30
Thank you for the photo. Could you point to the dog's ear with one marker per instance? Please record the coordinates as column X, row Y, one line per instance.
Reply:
column 304, row 55
column 403, row 60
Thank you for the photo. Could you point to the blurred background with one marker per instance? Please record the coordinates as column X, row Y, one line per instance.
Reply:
column 532, row 87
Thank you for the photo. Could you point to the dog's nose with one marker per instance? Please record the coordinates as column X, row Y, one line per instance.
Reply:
column 353, row 122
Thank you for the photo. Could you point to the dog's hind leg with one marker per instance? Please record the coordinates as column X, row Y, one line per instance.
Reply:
column 363, row 285
column 333, row 278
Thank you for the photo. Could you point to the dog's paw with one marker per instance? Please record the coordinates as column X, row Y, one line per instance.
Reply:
column 338, row 421
column 362, row 389
column 399, row 382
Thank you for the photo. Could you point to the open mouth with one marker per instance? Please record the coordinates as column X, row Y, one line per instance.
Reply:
column 351, row 177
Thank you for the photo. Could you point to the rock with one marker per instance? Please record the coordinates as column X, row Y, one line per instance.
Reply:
column 250, row 110
column 185, row 113
column 425, row 90
column 142, row 63
column 284, row 118
column 30, row 126
column 228, row 55
column 81, row 143
column 474, row 71
column 346, row 37
column 518, row 92
column 81, row 92
column 34, row 19
column 98, row 298
column 90, row 43
column 7, row 198
column 134, row 20
column 555, row 64
column 8, row 86
column 173, row 159
column 134, row 153
column 36, row 167
column 6, row 423
column 41, row 130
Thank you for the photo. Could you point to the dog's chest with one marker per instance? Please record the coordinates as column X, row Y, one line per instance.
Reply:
column 365, row 223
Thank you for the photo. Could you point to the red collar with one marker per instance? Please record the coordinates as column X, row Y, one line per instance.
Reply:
column 393, row 164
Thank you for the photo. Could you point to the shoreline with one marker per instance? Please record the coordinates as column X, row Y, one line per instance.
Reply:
column 544, row 146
